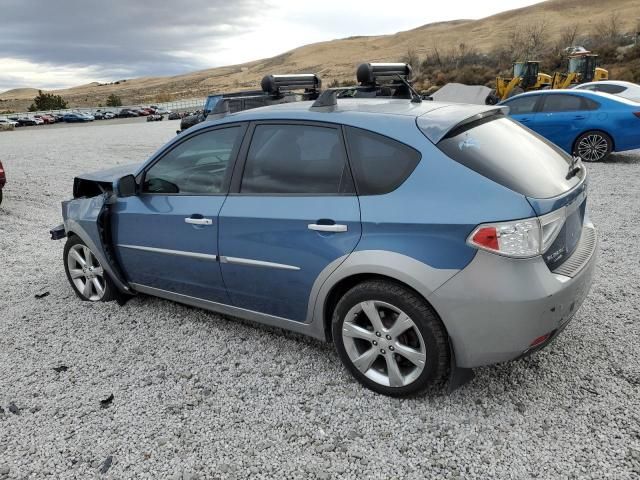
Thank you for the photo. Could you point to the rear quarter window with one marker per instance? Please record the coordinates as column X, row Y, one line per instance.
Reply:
column 380, row 164
column 504, row 151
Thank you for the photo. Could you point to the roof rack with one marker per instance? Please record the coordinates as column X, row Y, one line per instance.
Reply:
column 377, row 74
column 329, row 97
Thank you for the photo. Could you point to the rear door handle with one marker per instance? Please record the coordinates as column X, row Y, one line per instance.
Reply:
column 579, row 117
column 327, row 228
column 198, row 220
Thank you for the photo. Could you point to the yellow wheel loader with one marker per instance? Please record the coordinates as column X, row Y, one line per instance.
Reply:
column 526, row 77
column 582, row 68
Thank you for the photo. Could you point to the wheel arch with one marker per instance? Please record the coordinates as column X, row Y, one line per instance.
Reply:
column 364, row 265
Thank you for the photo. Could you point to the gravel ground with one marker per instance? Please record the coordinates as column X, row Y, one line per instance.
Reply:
column 198, row 395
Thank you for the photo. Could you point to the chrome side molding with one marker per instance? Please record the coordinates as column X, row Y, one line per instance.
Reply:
column 180, row 253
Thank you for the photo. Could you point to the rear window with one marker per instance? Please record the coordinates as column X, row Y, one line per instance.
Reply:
column 507, row 153
column 380, row 164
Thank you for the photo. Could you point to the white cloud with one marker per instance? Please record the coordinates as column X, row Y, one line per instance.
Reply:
column 32, row 55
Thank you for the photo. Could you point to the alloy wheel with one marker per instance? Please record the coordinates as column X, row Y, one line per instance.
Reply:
column 593, row 147
column 384, row 343
column 86, row 272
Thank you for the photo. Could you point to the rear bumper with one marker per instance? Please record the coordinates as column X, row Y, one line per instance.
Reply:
column 496, row 306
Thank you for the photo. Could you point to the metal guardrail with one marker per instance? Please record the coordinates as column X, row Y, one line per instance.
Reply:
column 174, row 106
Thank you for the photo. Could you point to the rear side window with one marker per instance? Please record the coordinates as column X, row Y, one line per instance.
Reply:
column 296, row 159
column 563, row 103
column 522, row 105
column 380, row 164
column 511, row 155
column 608, row 88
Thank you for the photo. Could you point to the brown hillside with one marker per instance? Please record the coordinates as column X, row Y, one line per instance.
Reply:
column 337, row 59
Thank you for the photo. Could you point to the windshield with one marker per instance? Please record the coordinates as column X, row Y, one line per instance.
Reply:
column 508, row 153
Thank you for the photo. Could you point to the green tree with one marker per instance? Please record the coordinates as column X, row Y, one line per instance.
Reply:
column 47, row 101
column 114, row 101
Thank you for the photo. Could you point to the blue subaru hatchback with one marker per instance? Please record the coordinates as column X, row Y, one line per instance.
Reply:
column 422, row 239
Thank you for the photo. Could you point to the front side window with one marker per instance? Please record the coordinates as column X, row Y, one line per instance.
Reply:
column 562, row 103
column 296, row 159
column 197, row 166
column 522, row 105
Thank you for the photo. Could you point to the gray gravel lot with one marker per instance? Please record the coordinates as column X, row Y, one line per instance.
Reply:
column 198, row 395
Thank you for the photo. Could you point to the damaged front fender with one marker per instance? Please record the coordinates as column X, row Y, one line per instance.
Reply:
column 90, row 219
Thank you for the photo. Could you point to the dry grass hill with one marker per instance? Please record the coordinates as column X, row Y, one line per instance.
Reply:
column 337, row 59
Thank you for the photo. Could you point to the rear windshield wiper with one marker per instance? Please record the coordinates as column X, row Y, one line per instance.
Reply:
column 574, row 167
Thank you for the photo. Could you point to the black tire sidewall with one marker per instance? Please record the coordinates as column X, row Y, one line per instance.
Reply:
column 604, row 135
column 421, row 314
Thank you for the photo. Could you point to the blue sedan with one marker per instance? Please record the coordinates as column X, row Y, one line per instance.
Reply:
column 584, row 123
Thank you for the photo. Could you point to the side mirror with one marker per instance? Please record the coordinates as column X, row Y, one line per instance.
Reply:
column 126, row 186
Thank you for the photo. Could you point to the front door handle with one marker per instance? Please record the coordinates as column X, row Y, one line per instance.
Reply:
column 327, row 228
column 579, row 117
column 193, row 220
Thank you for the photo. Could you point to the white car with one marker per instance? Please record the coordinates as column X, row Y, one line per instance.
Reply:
column 38, row 121
column 6, row 121
column 627, row 90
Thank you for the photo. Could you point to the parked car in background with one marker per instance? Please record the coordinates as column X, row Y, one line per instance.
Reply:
column 622, row 89
column 421, row 238
column 154, row 118
column 581, row 122
column 47, row 119
column 59, row 117
column 3, row 179
column 76, row 117
column 163, row 111
column 109, row 115
column 6, row 121
column 174, row 116
column 127, row 113
column 28, row 122
column 38, row 121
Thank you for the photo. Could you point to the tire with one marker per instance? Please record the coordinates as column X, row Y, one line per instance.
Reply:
column 593, row 146
column 0, row 196
column 492, row 98
column 379, row 357
column 81, row 273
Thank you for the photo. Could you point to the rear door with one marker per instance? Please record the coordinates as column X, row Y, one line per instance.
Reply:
column 166, row 237
column 291, row 212
column 563, row 118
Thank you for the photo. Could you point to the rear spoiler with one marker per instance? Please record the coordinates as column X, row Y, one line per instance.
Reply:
column 439, row 122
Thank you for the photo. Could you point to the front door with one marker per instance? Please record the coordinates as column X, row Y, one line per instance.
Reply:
column 166, row 237
column 294, row 212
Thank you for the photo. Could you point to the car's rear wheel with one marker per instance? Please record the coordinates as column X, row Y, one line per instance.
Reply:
column 390, row 339
column 85, row 274
column 593, row 146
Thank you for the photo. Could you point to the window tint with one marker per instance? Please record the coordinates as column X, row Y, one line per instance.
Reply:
column 380, row 164
column 522, row 105
column 608, row 88
column 296, row 159
column 195, row 167
column 507, row 153
column 562, row 103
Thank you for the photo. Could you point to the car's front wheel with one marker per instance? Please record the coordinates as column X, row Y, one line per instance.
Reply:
column 85, row 274
column 390, row 339
column 593, row 146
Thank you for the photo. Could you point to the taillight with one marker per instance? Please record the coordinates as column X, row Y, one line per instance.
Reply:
column 637, row 114
column 520, row 238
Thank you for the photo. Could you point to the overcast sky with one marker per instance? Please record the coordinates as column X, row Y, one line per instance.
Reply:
column 61, row 43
